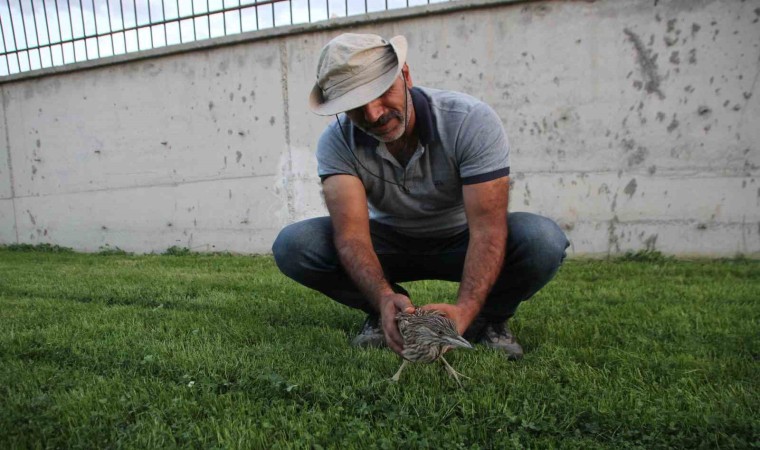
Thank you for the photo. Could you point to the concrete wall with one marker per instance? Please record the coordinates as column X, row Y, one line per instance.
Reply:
column 635, row 124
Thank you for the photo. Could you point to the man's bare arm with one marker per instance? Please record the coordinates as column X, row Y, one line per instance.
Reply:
column 486, row 208
column 347, row 203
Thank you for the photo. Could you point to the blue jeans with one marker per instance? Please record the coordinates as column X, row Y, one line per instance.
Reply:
column 304, row 251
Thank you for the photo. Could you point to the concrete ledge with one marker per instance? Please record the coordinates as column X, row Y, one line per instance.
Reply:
column 272, row 33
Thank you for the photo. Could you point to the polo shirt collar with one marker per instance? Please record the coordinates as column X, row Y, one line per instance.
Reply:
column 424, row 123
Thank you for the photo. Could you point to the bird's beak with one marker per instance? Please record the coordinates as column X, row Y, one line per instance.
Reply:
column 459, row 341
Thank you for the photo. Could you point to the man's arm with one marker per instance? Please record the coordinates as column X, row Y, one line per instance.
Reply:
column 347, row 203
column 486, row 208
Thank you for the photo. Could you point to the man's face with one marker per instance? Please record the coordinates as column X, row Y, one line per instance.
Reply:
column 383, row 118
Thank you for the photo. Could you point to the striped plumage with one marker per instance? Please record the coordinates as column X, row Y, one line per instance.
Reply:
column 427, row 335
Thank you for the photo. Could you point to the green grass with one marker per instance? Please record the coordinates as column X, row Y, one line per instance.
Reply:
column 123, row 351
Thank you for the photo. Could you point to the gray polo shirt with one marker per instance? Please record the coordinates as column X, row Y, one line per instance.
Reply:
column 461, row 141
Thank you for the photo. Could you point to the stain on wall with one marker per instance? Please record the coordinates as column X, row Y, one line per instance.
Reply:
column 647, row 65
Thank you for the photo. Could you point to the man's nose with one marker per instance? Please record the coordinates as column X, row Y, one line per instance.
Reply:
column 373, row 111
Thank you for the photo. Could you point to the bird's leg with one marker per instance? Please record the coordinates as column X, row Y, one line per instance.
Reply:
column 398, row 373
column 453, row 372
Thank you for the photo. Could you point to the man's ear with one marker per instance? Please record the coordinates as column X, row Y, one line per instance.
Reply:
column 407, row 75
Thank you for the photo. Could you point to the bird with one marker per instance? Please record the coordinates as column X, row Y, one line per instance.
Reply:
column 427, row 335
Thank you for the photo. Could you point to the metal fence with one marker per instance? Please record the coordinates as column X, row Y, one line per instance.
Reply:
column 38, row 34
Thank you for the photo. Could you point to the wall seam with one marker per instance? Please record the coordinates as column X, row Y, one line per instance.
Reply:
column 10, row 161
column 145, row 186
column 703, row 175
column 289, row 190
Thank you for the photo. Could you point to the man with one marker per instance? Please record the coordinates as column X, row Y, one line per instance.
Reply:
column 416, row 182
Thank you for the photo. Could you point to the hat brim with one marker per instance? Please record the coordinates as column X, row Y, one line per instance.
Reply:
column 362, row 94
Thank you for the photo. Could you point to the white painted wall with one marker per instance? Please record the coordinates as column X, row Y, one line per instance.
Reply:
column 634, row 126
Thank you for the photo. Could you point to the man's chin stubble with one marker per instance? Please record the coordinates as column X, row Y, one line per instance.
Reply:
column 383, row 138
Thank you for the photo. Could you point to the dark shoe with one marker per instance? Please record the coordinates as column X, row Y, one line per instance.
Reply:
column 495, row 335
column 371, row 334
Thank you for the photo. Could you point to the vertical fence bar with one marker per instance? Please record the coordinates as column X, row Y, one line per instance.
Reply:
column 6, row 60
column 71, row 30
column 272, row 5
column 26, row 36
column 179, row 20
column 163, row 16
column 13, row 35
column 192, row 11
column 60, row 33
column 308, row 8
column 5, row 44
column 366, row 7
column 37, row 32
column 208, row 19
column 15, row 43
column 84, row 33
column 224, row 19
column 327, row 7
column 256, row 9
column 47, row 28
column 240, row 15
column 121, row 10
column 150, row 26
column 346, row 9
column 137, row 29
column 97, row 34
column 110, row 27
column 123, row 25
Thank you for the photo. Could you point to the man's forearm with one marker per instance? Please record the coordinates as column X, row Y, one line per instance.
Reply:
column 361, row 264
column 482, row 265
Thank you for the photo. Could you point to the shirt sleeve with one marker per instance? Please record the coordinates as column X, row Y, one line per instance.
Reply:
column 482, row 147
column 333, row 155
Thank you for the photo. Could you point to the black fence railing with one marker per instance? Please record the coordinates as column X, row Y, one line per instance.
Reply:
column 39, row 34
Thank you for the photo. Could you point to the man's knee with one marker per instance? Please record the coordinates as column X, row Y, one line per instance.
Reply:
column 541, row 242
column 302, row 246
column 284, row 245
column 553, row 241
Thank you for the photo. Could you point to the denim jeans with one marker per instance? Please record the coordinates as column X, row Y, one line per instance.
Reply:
column 304, row 251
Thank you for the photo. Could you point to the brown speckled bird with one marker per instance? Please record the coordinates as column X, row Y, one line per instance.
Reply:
column 428, row 334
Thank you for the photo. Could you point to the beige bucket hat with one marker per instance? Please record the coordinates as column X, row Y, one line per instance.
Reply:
column 353, row 70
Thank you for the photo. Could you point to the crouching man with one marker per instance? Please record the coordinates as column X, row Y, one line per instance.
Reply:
column 416, row 182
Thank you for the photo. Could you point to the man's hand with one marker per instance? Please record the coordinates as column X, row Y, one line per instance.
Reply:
column 390, row 305
column 461, row 316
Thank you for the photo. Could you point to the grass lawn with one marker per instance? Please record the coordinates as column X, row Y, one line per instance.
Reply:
column 114, row 351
